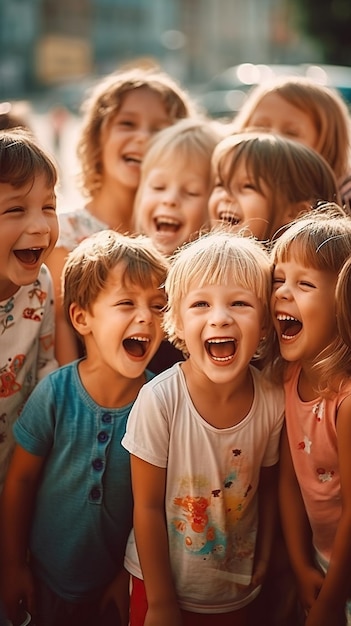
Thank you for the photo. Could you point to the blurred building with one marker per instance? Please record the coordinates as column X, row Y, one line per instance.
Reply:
column 46, row 42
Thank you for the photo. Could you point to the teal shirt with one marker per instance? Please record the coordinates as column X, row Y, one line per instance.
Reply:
column 83, row 508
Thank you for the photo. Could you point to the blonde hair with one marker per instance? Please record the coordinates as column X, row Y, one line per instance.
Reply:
column 320, row 240
column 323, row 105
column 293, row 172
column 88, row 266
column 218, row 257
column 189, row 141
column 22, row 159
column 105, row 101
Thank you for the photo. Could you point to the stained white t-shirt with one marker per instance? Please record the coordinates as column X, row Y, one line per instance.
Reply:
column 211, row 490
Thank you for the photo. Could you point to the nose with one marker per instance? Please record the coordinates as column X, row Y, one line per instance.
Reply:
column 170, row 197
column 38, row 223
column 144, row 134
column 144, row 315
column 220, row 316
column 282, row 291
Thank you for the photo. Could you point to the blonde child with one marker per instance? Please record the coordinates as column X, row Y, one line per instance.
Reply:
column 28, row 233
column 121, row 115
column 67, row 497
column 175, row 184
column 263, row 181
column 304, row 111
column 204, row 439
column 171, row 204
column 313, row 361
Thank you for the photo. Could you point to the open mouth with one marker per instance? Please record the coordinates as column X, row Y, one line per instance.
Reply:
column 129, row 158
column 136, row 346
column 221, row 350
column 289, row 326
column 29, row 256
column 167, row 224
column 230, row 218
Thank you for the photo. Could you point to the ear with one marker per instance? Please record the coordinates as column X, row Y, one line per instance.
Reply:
column 79, row 319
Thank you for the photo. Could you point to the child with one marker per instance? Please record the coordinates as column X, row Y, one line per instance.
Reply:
column 123, row 112
column 68, row 494
column 263, row 181
column 307, row 112
column 172, row 198
column 28, row 233
column 171, row 204
column 315, row 489
column 204, row 439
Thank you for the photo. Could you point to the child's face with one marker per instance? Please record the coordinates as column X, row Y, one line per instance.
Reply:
column 173, row 203
column 28, row 232
column 303, row 314
column 222, row 326
column 277, row 115
column 125, row 324
column 245, row 206
column 124, row 140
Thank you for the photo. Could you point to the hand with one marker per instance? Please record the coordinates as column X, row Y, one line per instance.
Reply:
column 169, row 615
column 117, row 593
column 259, row 573
column 310, row 581
column 17, row 585
column 325, row 616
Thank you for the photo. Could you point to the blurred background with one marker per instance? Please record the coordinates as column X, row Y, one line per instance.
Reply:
column 53, row 51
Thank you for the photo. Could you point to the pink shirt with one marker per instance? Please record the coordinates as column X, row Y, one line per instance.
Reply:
column 311, row 430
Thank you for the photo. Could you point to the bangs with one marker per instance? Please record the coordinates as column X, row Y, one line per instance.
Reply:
column 247, row 154
column 221, row 264
column 143, row 273
column 21, row 162
column 321, row 246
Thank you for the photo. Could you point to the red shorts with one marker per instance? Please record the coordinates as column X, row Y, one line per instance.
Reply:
column 138, row 610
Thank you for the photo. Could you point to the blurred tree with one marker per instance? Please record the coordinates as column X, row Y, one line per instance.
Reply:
column 329, row 23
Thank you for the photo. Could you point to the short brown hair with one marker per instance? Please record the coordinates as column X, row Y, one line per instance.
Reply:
column 87, row 267
column 22, row 159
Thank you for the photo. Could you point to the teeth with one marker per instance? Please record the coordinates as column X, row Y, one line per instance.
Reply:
column 224, row 340
column 166, row 220
column 222, row 358
column 229, row 217
column 136, row 338
column 284, row 318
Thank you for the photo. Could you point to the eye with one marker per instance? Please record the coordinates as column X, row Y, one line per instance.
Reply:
column 126, row 123
column 200, row 304
column 126, row 303
column 304, row 283
column 240, row 303
column 194, row 194
column 249, row 185
column 159, row 307
column 15, row 209
column 277, row 280
column 50, row 207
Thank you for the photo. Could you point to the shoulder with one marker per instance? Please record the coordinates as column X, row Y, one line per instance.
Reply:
column 75, row 226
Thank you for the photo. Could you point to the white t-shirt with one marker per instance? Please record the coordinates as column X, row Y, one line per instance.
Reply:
column 75, row 226
column 211, row 490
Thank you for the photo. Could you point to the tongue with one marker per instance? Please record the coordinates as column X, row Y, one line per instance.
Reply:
column 221, row 350
column 292, row 328
column 29, row 257
column 135, row 348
